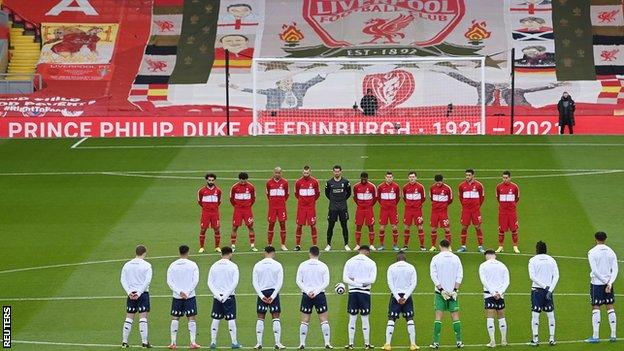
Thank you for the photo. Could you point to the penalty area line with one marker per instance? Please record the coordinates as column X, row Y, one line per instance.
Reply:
column 79, row 142
column 56, row 343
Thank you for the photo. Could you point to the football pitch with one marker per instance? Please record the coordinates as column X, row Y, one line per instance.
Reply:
column 71, row 216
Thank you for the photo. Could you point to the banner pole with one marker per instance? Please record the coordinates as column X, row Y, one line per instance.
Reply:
column 513, row 90
column 227, row 91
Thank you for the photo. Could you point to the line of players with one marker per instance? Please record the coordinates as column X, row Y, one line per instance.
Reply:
column 365, row 195
column 360, row 273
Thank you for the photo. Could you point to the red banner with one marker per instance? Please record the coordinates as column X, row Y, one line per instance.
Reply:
column 75, row 72
column 105, row 127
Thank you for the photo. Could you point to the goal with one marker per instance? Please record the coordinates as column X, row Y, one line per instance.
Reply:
column 398, row 95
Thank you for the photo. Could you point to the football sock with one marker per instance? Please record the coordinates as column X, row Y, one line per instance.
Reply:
column 202, row 237
column 366, row 329
column 259, row 331
column 192, row 327
column 437, row 330
column 270, row 232
column 143, row 329
column 421, row 237
column 232, row 328
column 447, row 235
column 345, row 232
column 489, row 322
column 502, row 326
column 303, row 332
column 406, row 237
column 535, row 325
column 411, row 331
column 457, row 330
column 612, row 322
column 283, row 233
column 551, row 324
column 277, row 330
column 217, row 235
column 480, row 237
column 352, row 322
column 596, row 323
column 358, row 236
column 382, row 236
column 174, row 331
column 314, row 234
column 214, row 328
column 501, row 238
column 233, row 238
column 127, row 327
column 389, row 331
column 371, row 235
column 464, row 236
column 514, row 238
column 298, row 235
column 330, row 231
column 252, row 237
column 326, row 332
column 434, row 238
column 395, row 236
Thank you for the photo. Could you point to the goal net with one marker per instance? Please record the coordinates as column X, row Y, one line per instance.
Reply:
column 369, row 96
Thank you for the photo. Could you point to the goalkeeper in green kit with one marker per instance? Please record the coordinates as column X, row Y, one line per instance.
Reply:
column 447, row 274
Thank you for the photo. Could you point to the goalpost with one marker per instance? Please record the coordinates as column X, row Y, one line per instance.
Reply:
column 413, row 95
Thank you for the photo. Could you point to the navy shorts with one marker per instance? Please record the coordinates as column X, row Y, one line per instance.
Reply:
column 599, row 296
column 274, row 307
column 319, row 302
column 227, row 309
column 140, row 305
column 539, row 303
column 395, row 310
column 359, row 303
column 334, row 215
column 491, row 303
column 182, row 307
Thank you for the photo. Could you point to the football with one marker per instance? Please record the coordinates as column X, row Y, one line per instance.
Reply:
column 340, row 288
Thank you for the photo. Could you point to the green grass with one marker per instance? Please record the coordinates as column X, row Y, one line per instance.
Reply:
column 95, row 204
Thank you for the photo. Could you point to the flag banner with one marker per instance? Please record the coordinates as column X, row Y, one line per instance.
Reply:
column 196, row 52
column 75, row 51
column 574, row 41
column 607, row 18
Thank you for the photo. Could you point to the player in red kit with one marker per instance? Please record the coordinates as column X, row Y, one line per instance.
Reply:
column 388, row 196
column 365, row 196
column 471, row 196
column 414, row 196
column 209, row 199
column 277, row 194
column 441, row 196
column 307, row 192
column 242, row 197
column 508, row 195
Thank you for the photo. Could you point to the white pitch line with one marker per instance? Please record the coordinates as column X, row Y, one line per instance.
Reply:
column 79, row 142
column 554, row 175
column 416, row 252
column 469, row 144
column 56, row 343
column 560, row 170
column 88, row 298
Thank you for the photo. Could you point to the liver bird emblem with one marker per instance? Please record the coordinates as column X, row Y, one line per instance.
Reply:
column 389, row 29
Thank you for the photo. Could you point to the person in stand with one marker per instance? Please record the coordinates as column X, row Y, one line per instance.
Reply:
column 566, row 109
column 369, row 103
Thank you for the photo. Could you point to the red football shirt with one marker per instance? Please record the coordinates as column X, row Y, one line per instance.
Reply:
column 364, row 195
column 441, row 197
column 414, row 195
column 471, row 195
column 242, row 195
column 209, row 198
column 307, row 191
column 388, row 195
column 508, row 196
column 277, row 192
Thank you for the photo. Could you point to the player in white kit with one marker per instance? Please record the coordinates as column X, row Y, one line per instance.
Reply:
column 136, row 276
column 494, row 276
column 222, row 281
column 267, row 278
column 182, row 278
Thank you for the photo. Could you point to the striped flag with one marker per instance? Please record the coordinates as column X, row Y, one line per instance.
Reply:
column 612, row 91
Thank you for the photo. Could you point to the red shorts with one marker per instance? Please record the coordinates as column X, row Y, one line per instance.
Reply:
column 364, row 216
column 388, row 215
column 413, row 216
column 242, row 215
column 507, row 221
column 209, row 220
column 439, row 219
column 471, row 216
column 306, row 215
column 277, row 215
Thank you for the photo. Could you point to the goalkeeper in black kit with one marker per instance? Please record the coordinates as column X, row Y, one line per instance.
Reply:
column 338, row 191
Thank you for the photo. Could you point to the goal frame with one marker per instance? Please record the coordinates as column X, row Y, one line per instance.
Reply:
column 257, row 60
